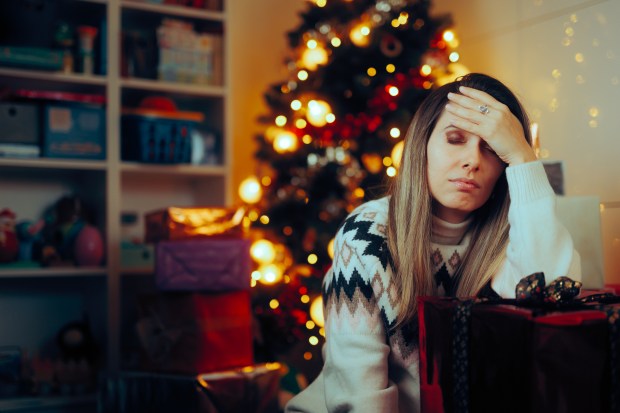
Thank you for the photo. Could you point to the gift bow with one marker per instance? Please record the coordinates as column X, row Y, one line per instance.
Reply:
column 533, row 290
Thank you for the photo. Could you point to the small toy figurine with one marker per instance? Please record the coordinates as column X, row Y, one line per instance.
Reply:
column 9, row 246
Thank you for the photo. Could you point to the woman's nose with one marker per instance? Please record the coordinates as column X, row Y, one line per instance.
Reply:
column 472, row 157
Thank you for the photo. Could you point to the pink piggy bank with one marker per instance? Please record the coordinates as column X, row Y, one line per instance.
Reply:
column 88, row 249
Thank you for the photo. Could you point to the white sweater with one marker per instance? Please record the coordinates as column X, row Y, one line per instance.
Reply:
column 371, row 367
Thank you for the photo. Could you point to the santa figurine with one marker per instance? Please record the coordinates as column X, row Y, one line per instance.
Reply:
column 9, row 246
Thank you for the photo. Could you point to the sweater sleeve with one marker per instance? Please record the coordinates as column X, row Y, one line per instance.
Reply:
column 356, row 350
column 538, row 242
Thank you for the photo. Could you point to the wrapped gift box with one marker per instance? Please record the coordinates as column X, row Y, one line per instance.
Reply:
column 203, row 265
column 244, row 390
column 515, row 359
column 192, row 333
column 176, row 223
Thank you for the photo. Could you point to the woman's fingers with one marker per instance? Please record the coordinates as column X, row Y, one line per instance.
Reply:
column 479, row 113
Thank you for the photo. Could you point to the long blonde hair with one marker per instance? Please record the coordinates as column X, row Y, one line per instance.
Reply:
column 410, row 206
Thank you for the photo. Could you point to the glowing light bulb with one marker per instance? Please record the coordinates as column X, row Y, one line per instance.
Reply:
column 397, row 153
column 360, row 35
column 285, row 141
column 250, row 190
column 316, row 311
column 263, row 251
column 314, row 57
column 448, row 35
column 270, row 274
column 317, row 112
column 330, row 248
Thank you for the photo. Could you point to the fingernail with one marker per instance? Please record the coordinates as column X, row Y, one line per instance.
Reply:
column 450, row 95
column 449, row 106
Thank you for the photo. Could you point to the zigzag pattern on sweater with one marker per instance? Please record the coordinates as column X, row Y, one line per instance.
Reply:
column 356, row 292
column 377, row 244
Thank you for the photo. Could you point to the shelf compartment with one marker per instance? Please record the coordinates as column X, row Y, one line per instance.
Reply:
column 50, row 305
column 34, row 195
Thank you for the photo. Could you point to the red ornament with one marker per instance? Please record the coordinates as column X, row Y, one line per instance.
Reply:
column 9, row 246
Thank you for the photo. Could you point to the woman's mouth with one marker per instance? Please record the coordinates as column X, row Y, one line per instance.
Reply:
column 465, row 184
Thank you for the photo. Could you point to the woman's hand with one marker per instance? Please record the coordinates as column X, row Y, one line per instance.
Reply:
column 496, row 125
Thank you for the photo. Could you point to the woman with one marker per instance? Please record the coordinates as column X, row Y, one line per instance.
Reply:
column 471, row 206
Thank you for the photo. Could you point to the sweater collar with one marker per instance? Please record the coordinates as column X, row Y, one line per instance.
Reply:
column 446, row 233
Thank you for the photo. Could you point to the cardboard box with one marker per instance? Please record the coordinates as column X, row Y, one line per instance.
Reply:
column 203, row 265
column 74, row 131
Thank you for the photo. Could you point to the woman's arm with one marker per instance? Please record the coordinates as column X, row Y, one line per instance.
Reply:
column 537, row 239
column 356, row 350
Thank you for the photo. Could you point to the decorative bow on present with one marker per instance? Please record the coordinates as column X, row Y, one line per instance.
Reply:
column 532, row 290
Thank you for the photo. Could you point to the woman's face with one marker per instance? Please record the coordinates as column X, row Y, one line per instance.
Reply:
column 462, row 171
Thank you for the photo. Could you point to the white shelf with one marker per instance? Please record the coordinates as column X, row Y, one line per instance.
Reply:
column 28, row 403
column 180, row 11
column 53, row 272
column 57, row 77
column 136, row 168
column 171, row 87
column 49, row 163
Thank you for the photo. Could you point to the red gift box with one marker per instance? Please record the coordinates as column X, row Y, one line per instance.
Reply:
column 192, row 333
column 516, row 359
column 203, row 265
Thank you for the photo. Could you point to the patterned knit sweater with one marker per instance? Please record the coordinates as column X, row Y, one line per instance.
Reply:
column 371, row 366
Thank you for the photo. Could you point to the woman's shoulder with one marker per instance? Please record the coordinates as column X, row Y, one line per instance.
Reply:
column 374, row 212
column 365, row 230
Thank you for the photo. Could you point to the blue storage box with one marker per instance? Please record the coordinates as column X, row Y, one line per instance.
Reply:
column 156, row 140
column 74, row 131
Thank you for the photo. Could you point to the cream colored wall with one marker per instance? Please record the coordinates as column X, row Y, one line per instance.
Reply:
column 519, row 41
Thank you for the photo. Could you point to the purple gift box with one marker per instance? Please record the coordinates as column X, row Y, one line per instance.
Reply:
column 203, row 265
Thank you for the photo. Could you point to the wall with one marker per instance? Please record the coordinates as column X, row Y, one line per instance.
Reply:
column 529, row 44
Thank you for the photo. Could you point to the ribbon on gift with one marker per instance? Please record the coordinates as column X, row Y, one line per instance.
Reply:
column 532, row 290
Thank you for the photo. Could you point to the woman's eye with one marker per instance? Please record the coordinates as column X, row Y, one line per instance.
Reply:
column 455, row 140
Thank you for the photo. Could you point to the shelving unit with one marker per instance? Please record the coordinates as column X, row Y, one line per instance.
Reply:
column 114, row 186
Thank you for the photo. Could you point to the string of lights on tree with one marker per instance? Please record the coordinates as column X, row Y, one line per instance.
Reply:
column 358, row 70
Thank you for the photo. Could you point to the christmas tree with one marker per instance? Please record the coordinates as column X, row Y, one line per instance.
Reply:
column 358, row 71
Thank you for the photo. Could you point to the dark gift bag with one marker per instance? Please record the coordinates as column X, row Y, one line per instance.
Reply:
column 489, row 356
column 251, row 389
